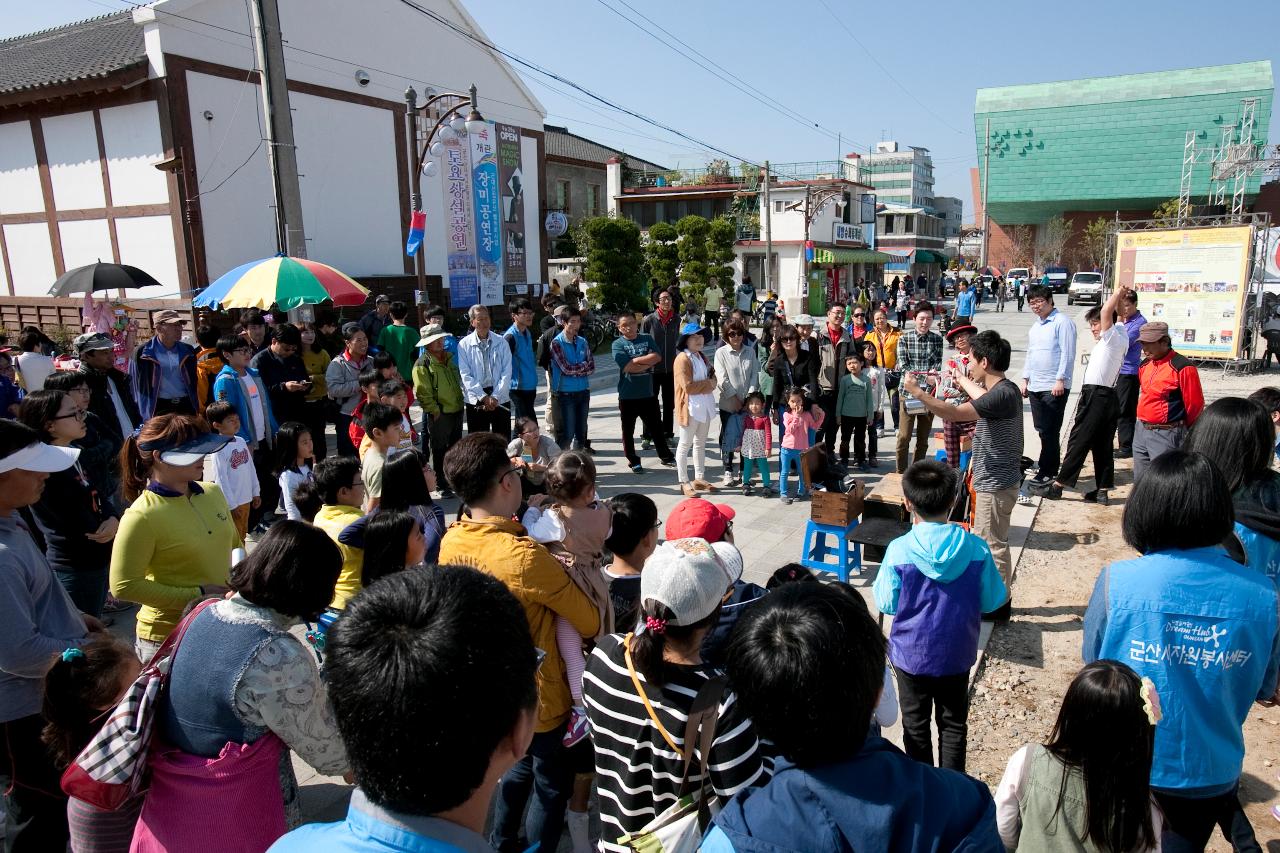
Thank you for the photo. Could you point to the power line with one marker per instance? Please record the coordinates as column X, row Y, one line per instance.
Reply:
column 886, row 71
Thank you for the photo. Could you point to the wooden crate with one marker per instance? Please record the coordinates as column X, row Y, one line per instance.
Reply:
column 837, row 508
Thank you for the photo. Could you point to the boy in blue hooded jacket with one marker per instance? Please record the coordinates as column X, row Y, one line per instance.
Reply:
column 807, row 663
column 936, row 581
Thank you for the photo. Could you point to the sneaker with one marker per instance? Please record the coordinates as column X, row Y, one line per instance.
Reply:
column 578, row 727
column 1024, row 499
column 670, row 463
column 731, row 480
column 1121, row 454
column 115, row 605
column 879, row 433
column 747, row 491
column 768, row 492
column 1103, row 498
column 637, row 469
column 787, row 499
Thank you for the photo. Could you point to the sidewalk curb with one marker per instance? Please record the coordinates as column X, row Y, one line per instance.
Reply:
column 988, row 628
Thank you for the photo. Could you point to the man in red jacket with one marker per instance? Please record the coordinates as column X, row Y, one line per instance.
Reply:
column 1169, row 397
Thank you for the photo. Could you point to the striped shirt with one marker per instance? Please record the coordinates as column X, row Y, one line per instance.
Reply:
column 637, row 772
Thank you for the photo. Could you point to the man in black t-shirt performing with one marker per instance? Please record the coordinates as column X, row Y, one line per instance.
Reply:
column 996, row 404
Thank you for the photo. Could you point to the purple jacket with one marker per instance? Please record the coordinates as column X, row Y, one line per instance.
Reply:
column 937, row 581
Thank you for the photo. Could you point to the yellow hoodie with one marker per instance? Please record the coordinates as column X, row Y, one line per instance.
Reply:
column 499, row 547
column 333, row 520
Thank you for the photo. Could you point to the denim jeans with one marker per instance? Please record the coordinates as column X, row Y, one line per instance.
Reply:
column 546, row 771
column 1047, row 412
column 87, row 588
column 788, row 457
column 572, row 425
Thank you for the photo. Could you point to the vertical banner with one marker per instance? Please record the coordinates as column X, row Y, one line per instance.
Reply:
column 488, row 213
column 464, row 288
column 511, row 176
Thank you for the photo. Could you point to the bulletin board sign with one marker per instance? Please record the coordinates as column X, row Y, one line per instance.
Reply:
column 1194, row 279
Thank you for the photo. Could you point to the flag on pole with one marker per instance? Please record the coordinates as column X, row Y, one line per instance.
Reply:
column 808, row 250
column 417, row 227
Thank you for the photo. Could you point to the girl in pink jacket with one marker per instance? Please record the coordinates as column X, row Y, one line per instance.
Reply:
column 796, row 424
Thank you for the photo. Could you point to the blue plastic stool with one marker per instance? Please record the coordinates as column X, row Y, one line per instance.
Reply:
column 941, row 456
column 814, row 552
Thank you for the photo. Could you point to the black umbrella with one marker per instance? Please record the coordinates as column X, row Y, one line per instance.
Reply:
column 100, row 276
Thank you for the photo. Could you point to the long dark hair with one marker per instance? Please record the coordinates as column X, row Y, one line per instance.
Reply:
column 647, row 648
column 1103, row 732
column 77, row 688
column 386, row 538
column 287, row 438
column 403, row 483
column 1236, row 435
column 40, row 408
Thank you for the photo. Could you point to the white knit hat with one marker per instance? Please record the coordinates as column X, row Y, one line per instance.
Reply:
column 688, row 577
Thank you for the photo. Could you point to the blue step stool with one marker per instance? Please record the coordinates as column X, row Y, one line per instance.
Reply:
column 815, row 550
column 965, row 455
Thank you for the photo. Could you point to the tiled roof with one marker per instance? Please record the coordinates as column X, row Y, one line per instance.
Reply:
column 560, row 142
column 84, row 50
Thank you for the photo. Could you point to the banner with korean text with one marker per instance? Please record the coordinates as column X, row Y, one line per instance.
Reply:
column 464, row 287
column 488, row 213
column 1194, row 279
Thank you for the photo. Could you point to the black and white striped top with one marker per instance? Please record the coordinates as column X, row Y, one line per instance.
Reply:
column 637, row 772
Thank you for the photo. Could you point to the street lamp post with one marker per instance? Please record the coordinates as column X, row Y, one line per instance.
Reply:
column 473, row 123
column 814, row 202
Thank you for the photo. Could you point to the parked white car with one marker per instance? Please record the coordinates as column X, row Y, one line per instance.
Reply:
column 1085, row 287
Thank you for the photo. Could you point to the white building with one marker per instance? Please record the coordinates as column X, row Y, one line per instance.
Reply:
column 902, row 177
column 951, row 211
column 89, row 111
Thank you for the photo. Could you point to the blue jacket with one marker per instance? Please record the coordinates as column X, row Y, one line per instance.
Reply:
column 1204, row 629
column 144, row 373
column 936, row 581
column 964, row 303
column 1257, row 506
column 571, row 364
column 226, row 386
column 878, row 800
column 524, row 367
column 376, row 830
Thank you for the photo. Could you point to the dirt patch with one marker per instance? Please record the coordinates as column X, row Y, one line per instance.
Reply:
column 1030, row 661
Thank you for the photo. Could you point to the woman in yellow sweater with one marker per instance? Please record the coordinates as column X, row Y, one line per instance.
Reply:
column 176, row 538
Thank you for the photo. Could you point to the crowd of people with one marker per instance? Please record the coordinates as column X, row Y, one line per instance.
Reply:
column 549, row 643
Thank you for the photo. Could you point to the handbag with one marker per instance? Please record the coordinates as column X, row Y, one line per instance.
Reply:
column 111, row 770
column 680, row 827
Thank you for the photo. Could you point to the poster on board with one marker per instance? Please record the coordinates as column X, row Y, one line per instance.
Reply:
column 511, row 193
column 488, row 214
column 1194, row 279
column 464, row 288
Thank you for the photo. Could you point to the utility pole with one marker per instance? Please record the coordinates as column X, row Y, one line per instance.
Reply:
column 986, row 173
column 282, row 153
column 768, row 233
column 415, row 177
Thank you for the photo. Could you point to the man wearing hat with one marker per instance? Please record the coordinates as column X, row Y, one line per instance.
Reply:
column 378, row 319
column 38, row 621
column 1169, row 397
column 164, row 370
column 111, row 395
column 954, row 433
column 437, row 386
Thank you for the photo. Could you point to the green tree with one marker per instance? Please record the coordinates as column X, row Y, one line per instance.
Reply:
column 615, row 264
column 1166, row 215
column 1092, row 250
column 722, row 233
column 693, row 231
column 663, row 254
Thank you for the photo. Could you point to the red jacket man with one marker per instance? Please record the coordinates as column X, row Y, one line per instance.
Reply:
column 1169, row 397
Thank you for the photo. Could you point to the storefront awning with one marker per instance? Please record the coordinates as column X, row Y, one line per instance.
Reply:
column 850, row 256
column 924, row 256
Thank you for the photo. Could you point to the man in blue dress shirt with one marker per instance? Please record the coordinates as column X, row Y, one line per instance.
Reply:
column 1046, row 375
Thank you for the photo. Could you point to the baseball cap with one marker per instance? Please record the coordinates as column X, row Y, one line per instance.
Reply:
column 41, row 457
column 699, row 517
column 802, row 320
column 93, row 341
column 168, row 315
column 188, row 452
column 687, row 577
column 731, row 557
column 431, row 334
column 1152, row 332
column 382, row 297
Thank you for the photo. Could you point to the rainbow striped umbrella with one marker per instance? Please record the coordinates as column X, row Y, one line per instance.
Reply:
column 282, row 281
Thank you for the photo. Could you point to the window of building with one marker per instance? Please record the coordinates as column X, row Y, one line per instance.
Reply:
column 778, row 206
column 909, row 228
column 562, row 196
column 593, row 199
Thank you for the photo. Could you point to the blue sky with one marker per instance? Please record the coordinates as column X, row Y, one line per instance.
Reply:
column 866, row 71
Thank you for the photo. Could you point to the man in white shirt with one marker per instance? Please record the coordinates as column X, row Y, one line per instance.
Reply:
column 484, row 361
column 1046, row 375
column 1098, row 411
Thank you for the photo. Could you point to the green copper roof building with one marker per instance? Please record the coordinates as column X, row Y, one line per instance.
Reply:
column 1110, row 143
